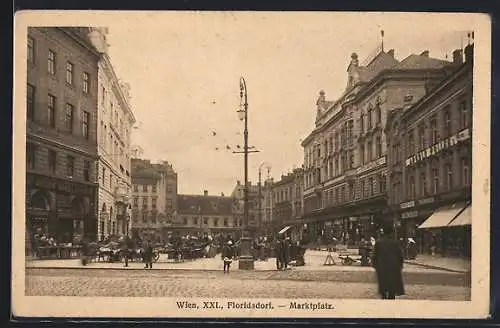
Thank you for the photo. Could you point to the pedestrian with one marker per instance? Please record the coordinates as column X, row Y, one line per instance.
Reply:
column 388, row 262
column 286, row 252
column 278, row 250
column 124, row 250
column 227, row 255
column 148, row 255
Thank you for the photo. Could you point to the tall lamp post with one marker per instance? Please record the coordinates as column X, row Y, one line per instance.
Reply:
column 246, row 261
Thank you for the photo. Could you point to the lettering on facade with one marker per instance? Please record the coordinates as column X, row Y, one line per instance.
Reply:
column 407, row 204
column 426, row 201
column 438, row 147
column 410, row 214
column 372, row 165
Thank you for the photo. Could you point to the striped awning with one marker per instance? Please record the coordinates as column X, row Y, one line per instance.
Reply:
column 463, row 219
column 285, row 229
column 442, row 216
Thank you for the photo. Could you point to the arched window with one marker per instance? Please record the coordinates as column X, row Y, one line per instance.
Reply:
column 111, row 212
column 40, row 201
column 104, row 208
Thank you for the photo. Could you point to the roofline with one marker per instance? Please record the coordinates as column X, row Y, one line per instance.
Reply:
column 447, row 81
column 78, row 38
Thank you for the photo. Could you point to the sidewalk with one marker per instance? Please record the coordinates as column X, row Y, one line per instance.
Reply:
column 314, row 262
column 442, row 263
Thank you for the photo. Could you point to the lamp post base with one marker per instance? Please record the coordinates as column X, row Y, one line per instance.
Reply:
column 246, row 261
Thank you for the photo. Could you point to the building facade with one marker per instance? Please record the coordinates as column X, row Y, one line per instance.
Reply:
column 430, row 161
column 61, row 143
column 345, row 164
column 254, row 197
column 115, row 123
column 154, row 197
column 206, row 214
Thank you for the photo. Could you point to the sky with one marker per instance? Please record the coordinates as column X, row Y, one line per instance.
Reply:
column 184, row 69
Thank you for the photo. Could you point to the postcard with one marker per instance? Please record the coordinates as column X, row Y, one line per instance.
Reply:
column 229, row 164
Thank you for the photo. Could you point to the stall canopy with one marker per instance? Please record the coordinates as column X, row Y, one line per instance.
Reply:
column 284, row 230
column 442, row 216
column 463, row 219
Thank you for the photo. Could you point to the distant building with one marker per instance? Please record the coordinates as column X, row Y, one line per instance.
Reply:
column 253, row 205
column 345, row 164
column 61, row 143
column 115, row 122
column 429, row 161
column 207, row 214
column 154, row 197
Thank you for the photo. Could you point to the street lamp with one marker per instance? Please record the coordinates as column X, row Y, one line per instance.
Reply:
column 246, row 261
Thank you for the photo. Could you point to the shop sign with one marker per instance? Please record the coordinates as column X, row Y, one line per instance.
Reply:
column 407, row 204
column 372, row 165
column 438, row 147
column 425, row 201
column 410, row 214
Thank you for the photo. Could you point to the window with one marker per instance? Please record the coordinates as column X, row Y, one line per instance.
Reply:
column 103, row 175
column 447, row 122
column 70, row 166
column 51, row 62
column 69, row 73
column 136, row 188
column 31, row 50
column 370, row 187
column 435, row 177
column 85, row 124
column 86, row 82
column 362, row 187
column 378, row 146
column 153, row 202
column 136, row 201
column 30, row 102
column 226, row 223
column 466, row 178
column 411, row 187
column 153, row 188
column 449, row 176
column 369, row 117
column 69, row 117
column 342, row 194
column 379, row 114
column 169, row 203
column 362, row 123
column 144, row 217
column 351, row 161
column 434, row 131
column 421, row 137
column 86, row 170
column 216, row 222
column 103, row 99
column 423, row 185
column 195, row 220
column 144, row 202
column 382, row 183
column 362, row 154
column 205, row 221
column 370, row 154
column 30, row 156
column 110, row 181
column 51, row 108
column 145, row 188
column 52, row 159
column 411, row 143
column 464, row 114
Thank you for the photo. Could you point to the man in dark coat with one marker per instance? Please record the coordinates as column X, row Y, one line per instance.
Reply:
column 388, row 262
column 148, row 255
column 279, row 252
column 227, row 255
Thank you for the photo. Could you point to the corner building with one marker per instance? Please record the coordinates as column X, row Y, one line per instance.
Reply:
column 115, row 123
column 61, row 141
column 430, row 161
column 345, row 156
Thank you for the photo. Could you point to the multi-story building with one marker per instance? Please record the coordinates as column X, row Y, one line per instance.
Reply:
column 154, row 197
column 61, row 143
column 206, row 214
column 253, row 205
column 345, row 172
column 430, row 164
column 115, row 121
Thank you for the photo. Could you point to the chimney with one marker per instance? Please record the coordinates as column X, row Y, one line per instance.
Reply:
column 205, row 192
column 469, row 53
column 425, row 53
column 457, row 57
column 391, row 53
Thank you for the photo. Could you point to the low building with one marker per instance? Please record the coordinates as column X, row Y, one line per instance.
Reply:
column 430, row 161
column 61, row 141
column 206, row 214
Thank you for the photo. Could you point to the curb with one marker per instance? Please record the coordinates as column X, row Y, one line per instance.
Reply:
column 435, row 267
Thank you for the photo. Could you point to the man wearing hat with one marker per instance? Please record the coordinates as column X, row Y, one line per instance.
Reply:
column 227, row 255
column 388, row 262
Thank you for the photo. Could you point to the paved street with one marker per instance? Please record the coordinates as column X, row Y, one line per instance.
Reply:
column 178, row 283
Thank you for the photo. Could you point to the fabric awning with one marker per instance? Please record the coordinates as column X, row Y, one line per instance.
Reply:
column 284, row 230
column 442, row 216
column 463, row 219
